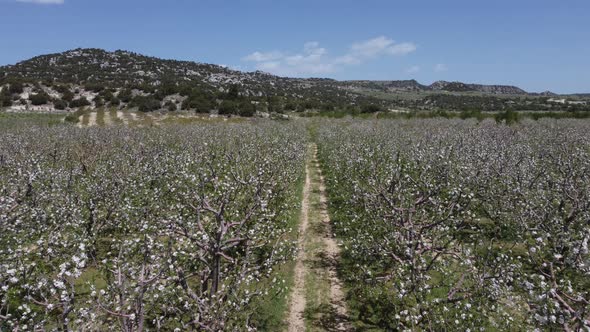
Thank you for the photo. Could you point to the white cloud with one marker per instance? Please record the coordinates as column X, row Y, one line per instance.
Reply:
column 44, row 2
column 402, row 49
column 312, row 47
column 413, row 69
column 381, row 45
column 259, row 57
column 315, row 59
column 347, row 59
column 371, row 47
column 440, row 67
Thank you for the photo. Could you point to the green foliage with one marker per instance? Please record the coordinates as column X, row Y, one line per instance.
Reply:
column 99, row 101
column 61, row 88
column 199, row 102
column 11, row 121
column 80, row 102
column 309, row 105
column 170, row 106
column 125, row 95
column 165, row 89
column 16, row 87
column 145, row 103
column 106, row 94
column 94, row 87
column 555, row 115
column 75, row 117
column 290, row 106
column 233, row 93
column 114, row 101
column 228, row 107
column 5, row 98
column 472, row 114
column 273, row 104
column 67, row 96
column 60, row 104
column 247, row 109
column 371, row 108
column 328, row 107
column 168, row 88
column 509, row 117
column 41, row 98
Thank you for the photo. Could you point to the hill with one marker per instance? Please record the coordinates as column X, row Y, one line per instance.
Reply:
column 96, row 78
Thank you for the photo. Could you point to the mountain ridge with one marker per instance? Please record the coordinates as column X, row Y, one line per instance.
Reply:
column 76, row 66
column 95, row 78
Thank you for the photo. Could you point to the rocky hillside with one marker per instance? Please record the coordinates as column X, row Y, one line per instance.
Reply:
column 123, row 68
column 384, row 86
column 439, row 86
column 97, row 78
column 487, row 89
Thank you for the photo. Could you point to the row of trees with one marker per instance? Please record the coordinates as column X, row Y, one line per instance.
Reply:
column 455, row 225
column 180, row 228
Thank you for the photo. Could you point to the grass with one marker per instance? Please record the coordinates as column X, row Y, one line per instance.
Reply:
column 100, row 118
column 85, row 119
column 114, row 118
column 90, row 276
column 318, row 312
column 145, row 120
column 75, row 116
column 28, row 119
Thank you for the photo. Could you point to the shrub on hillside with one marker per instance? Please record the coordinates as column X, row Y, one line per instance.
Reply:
column 80, row 102
column 125, row 95
column 94, row 87
column 145, row 103
column 198, row 102
column 247, row 109
column 98, row 101
column 16, row 87
column 39, row 99
column 170, row 106
column 60, row 104
column 371, row 108
column 5, row 98
column 290, row 106
column 114, row 101
column 67, row 96
column 228, row 107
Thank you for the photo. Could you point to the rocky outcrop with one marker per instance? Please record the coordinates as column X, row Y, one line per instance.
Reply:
column 488, row 89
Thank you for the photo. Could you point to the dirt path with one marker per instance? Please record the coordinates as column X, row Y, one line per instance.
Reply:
column 296, row 312
column 121, row 116
column 107, row 118
column 317, row 302
column 92, row 119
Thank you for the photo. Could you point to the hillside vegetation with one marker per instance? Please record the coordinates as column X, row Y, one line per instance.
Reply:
column 94, row 78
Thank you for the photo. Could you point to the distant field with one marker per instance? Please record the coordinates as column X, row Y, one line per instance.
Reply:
column 8, row 120
column 109, row 117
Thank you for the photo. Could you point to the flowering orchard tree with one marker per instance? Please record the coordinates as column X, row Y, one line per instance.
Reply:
column 145, row 229
column 452, row 225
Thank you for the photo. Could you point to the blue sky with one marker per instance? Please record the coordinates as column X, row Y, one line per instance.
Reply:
column 535, row 44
